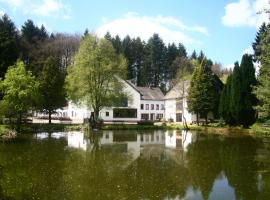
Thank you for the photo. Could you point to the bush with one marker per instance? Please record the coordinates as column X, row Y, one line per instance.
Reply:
column 145, row 122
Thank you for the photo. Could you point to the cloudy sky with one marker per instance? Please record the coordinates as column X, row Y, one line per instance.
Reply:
column 223, row 29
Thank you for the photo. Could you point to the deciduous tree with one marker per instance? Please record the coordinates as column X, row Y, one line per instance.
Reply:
column 93, row 79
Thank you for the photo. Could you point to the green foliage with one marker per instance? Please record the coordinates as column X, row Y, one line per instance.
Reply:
column 237, row 100
column 93, row 79
column 259, row 39
column 202, row 93
column 9, row 47
column 262, row 90
column 20, row 89
column 52, row 79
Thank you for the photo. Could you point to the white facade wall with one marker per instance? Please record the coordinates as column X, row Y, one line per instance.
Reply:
column 77, row 113
column 170, row 109
column 133, row 102
column 159, row 106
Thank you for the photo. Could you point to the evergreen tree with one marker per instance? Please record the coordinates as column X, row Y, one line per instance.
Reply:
column 52, row 86
column 236, row 93
column 248, row 114
column 32, row 41
column 261, row 34
column 127, row 50
column 182, row 50
column 194, row 55
column 117, row 44
column 225, row 102
column 202, row 93
column 155, row 62
column 262, row 90
column 9, row 45
column 237, row 100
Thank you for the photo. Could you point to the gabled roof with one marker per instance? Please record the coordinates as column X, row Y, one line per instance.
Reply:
column 178, row 91
column 148, row 93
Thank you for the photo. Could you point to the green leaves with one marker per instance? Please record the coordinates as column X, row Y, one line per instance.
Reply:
column 20, row 89
column 202, row 93
column 93, row 79
column 237, row 100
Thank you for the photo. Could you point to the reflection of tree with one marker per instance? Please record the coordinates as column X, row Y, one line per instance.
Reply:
column 157, row 178
column 33, row 170
column 204, row 164
column 238, row 160
column 99, row 173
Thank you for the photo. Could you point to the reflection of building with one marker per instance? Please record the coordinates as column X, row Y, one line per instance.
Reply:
column 172, row 142
column 179, row 139
column 76, row 140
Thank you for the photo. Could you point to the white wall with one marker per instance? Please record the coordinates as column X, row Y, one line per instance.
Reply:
column 170, row 109
column 150, row 111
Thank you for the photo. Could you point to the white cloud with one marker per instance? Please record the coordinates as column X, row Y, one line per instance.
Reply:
column 2, row 13
column 245, row 13
column 45, row 8
column 13, row 3
column 170, row 29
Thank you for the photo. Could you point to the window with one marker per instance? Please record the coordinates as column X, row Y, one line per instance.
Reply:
column 147, row 106
column 179, row 105
column 157, row 107
column 178, row 117
column 159, row 116
column 145, row 116
column 142, row 106
column 124, row 103
column 152, row 106
column 162, row 107
column 107, row 114
column 124, row 113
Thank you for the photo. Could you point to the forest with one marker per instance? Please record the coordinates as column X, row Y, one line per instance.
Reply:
column 41, row 60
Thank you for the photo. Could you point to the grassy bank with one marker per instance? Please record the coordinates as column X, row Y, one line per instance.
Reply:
column 33, row 128
column 256, row 129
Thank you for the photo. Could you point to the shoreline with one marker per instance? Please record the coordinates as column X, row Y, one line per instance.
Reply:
column 7, row 131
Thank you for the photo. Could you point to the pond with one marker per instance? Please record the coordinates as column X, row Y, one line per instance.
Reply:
column 135, row 165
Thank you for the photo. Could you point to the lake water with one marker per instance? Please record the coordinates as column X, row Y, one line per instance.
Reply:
column 135, row 165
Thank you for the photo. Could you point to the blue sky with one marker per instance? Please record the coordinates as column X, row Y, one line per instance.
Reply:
column 223, row 29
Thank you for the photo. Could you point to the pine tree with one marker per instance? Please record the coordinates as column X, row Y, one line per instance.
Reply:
column 9, row 44
column 262, row 90
column 182, row 50
column 194, row 55
column 248, row 99
column 236, row 94
column 202, row 93
column 225, row 102
column 155, row 64
column 261, row 34
column 237, row 100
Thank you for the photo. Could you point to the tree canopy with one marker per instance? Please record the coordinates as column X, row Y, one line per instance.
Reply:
column 93, row 79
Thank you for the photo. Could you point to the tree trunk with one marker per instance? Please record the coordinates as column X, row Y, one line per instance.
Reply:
column 50, row 116
column 206, row 119
column 197, row 118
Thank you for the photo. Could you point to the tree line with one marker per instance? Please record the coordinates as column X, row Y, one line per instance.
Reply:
column 38, row 62
column 33, row 67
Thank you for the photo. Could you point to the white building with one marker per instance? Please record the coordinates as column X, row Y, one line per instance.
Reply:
column 176, row 104
column 144, row 103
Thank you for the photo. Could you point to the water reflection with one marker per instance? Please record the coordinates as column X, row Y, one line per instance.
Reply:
column 135, row 165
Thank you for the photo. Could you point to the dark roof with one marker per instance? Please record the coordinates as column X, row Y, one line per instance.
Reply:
column 148, row 93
